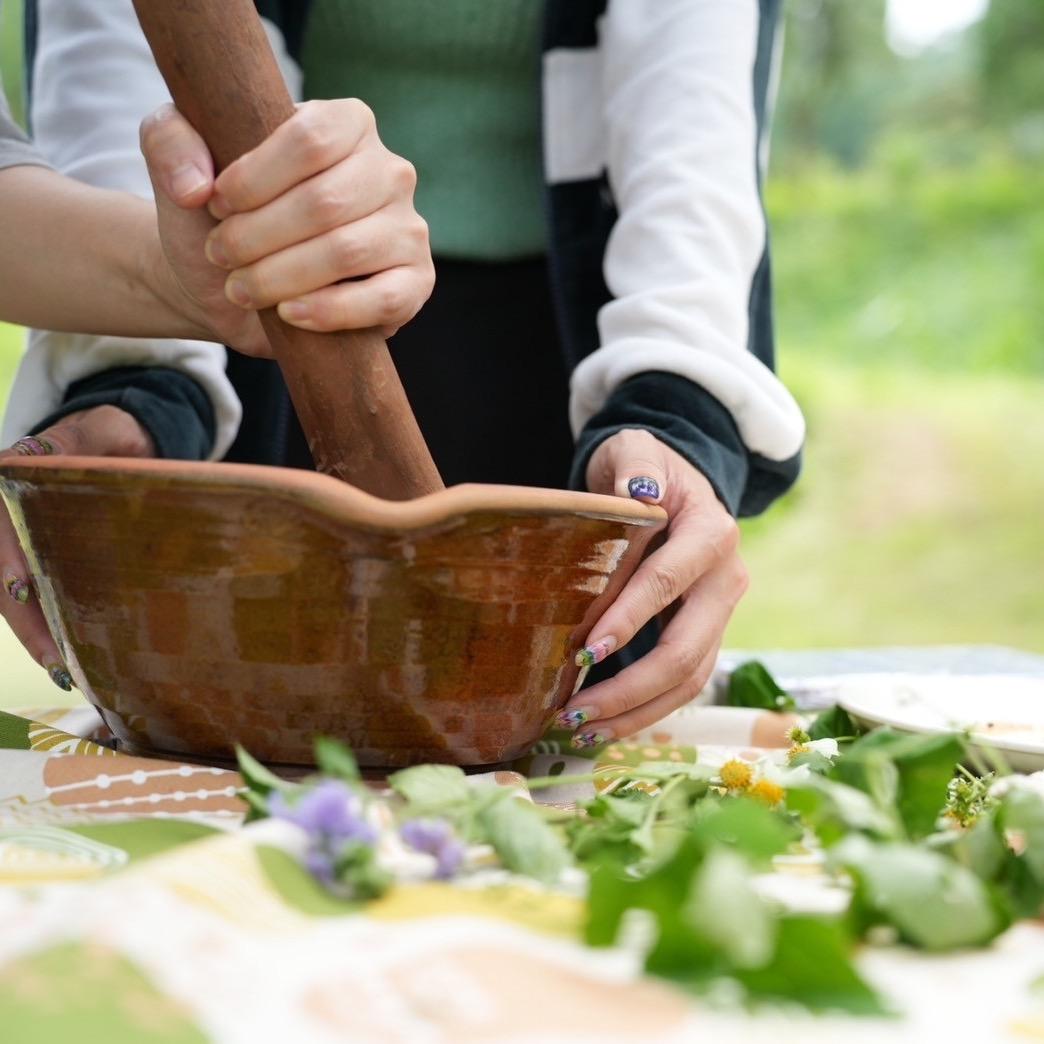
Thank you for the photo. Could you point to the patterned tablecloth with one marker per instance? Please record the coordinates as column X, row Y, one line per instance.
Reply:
column 135, row 907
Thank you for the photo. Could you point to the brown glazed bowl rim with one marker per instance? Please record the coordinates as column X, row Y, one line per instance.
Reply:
column 334, row 498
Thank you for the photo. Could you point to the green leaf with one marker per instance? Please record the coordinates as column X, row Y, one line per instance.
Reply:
column 1022, row 811
column 258, row 779
column 818, row 763
column 335, row 759
column 980, row 848
column 812, row 965
column 934, row 902
column 833, row 723
column 724, row 908
column 745, row 826
column 431, row 785
column 751, row 685
column 832, row 810
column 911, row 773
column 524, row 842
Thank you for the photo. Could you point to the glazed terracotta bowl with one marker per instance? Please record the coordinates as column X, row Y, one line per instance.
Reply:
column 200, row 605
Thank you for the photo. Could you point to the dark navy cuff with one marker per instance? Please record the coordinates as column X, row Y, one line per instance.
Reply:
column 693, row 423
column 168, row 404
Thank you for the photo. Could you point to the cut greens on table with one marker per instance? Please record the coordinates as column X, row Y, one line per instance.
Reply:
column 931, row 855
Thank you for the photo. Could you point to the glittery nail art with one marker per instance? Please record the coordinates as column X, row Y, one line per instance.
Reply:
column 60, row 676
column 644, row 488
column 582, row 740
column 596, row 652
column 573, row 719
column 33, row 446
column 16, row 587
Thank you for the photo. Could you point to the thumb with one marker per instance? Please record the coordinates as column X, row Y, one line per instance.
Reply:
column 179, row 163
column 632, row 464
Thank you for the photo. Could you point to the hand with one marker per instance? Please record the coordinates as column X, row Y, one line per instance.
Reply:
column 698, row 567
column 319, row 220
column 104, row 431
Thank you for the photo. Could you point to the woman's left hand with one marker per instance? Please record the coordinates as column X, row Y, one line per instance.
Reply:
column 698, row 567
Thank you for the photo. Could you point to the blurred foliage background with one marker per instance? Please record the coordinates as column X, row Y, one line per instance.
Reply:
column 905, row 192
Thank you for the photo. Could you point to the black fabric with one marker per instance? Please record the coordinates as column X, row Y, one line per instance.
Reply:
column 691, row 421
column 483, row 372
column 168, row 404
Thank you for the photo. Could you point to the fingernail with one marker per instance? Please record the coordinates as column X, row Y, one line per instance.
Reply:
column 16, row 587
column 215, row 252
column 34, row 446
column 60, row 676
column 644, row 488
column 596, row 652
column 236, row 292
column 186, row 180
column 583, row 740
column 294, row 311
column 573, row 719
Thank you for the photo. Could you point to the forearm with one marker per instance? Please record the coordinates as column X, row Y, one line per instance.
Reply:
column 78, row 258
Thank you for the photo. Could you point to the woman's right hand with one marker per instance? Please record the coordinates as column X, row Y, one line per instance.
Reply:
column 104, row 431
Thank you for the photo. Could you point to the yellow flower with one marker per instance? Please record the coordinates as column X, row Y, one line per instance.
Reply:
column 767, row 791
column 801, row 748
column 736, row 775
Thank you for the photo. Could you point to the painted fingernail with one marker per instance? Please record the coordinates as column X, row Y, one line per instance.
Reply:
column 644, row 488
column 574, row 718
column 596, row 652
column 60, row 676
column 236, row 292
column 583, row 740
column 16, row 587
column 216, row 252
column 294, row 311
column 186, row 180
column 34, row 446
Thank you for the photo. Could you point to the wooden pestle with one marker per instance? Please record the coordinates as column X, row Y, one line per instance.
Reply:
column 224, row 79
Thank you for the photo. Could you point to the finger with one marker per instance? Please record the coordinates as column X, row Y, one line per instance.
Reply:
column 388, row 300
column 697, row 542
column 655, row 710
column 103, row 431
column 18, row 605
column 318, row 135
column 375, row 243
column 353, row 189
column 632, row 464
column 179, row 162
column 681, row 653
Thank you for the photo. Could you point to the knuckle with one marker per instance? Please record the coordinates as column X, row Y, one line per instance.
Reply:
column 392, row 302
column 360, row 113
column 314, row 138
column 404, row 175
column 685, row 658
column 347, row 251
column 325, row 203
column 666, row 584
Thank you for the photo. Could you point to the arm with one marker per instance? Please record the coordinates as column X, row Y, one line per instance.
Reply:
column 685, row 117
column 686, row 341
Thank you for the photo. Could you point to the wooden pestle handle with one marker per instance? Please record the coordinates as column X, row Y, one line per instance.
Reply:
column 224, row 79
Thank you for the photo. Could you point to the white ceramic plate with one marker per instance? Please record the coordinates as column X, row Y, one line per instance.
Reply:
column 1005, row 712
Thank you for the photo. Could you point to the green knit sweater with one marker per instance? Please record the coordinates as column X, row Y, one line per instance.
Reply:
column 455, row 86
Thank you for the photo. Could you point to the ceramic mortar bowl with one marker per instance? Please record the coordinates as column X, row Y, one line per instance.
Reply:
column 203, row 605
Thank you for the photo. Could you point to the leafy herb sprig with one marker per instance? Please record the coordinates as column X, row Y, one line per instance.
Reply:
column 934, row 856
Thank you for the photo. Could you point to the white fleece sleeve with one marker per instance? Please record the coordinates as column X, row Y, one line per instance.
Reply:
column 681, row 146
column 94, row 81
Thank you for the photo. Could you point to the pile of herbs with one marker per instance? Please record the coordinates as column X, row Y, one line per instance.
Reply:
column 935, row 857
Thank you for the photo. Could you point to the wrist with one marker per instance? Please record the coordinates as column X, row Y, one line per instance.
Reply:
column 182, row 314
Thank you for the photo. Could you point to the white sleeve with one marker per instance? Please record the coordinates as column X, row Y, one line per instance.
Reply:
column 681, row 141
column 95, row 80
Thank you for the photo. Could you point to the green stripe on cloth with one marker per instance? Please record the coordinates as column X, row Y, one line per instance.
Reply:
column 14, row 732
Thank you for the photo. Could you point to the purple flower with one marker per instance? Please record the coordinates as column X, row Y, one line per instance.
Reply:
column 330, row 812
column 435, row 837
